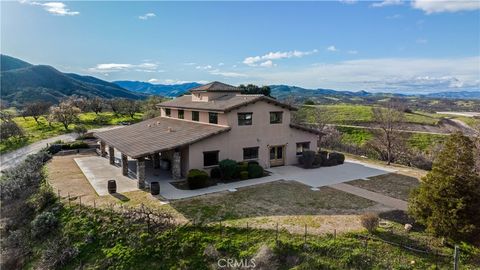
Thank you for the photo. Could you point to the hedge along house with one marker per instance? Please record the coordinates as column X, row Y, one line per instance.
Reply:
column 214, row 122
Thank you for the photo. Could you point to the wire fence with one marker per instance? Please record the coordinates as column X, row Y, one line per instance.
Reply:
column 280, row 234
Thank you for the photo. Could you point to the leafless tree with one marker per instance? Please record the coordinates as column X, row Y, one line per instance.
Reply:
column 130, row 107
column 8, row 127
column 389, row 119
column 66, row 113
column 96, row 104
column 116, row 105
column 36, row 110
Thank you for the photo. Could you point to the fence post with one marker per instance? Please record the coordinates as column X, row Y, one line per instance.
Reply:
column 305, row 236
column 334, row 234
column 80, row 200
column 456, row 254
column 68, row 198
column 276, row 236
column 58, row 194
column 94, row 204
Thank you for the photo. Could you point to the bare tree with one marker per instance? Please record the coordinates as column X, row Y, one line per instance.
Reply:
column 66, row 113
column 79, row 102
column 130, row 107
column 389, row 120
column 36, row 110
column 116, row 105
column 8, row 127
column 96, row 104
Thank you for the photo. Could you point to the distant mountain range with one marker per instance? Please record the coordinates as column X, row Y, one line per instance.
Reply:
column 166, row 90
column 22, row 82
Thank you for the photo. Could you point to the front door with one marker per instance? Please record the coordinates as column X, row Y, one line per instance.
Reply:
column 277, row 155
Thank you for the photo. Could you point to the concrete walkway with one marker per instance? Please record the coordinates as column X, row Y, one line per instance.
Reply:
column 13, row 158
column 98, row 170
column 373, row 196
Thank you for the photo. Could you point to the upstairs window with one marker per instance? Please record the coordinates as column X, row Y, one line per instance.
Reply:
column 181, row 114
column 213, row 118
column 245, row 119
column 168, row 112
column 250, row 153
column 195, row 116
column 303, row 146
column 276, row 117
column 210, row 158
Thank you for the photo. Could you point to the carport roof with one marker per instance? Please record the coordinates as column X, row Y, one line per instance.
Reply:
column 157, row 134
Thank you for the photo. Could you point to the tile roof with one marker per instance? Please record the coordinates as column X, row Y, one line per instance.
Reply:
column 216, row 87
column 157, row 134
column 222, row 104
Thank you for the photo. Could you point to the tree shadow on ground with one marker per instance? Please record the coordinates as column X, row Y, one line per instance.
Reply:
column 120, row 197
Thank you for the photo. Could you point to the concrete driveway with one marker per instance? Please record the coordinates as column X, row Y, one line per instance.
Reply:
column 98, row 171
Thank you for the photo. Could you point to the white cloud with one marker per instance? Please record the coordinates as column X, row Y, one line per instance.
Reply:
column 266, row 60
column 387, row 3
column 190, row 64
column 422, row 41
column 55, row 8
column 385, row 74
column 352, row 52
column 221, row 64
column 204, row 67
column 394, row 17
column 348, row 2
column 147, row 16
column 332, row 48
column 114, row 67
column 227, row 73
column 429, row 6
column 153, row 80
column 170, row 81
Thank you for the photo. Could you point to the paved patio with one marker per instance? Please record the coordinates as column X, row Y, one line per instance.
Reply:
column 98, row 171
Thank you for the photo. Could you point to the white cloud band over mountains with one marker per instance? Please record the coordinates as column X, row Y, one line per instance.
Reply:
column 267, row 59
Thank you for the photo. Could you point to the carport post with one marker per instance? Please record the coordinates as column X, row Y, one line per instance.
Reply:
column 124, row 164
column 141, row 172
column 156, row 160
column 111, row 155
column 102, row 148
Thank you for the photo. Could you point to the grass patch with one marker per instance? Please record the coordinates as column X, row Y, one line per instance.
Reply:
column 278, row 198
column 392, row 185
column 356, row 136
column 422, row 141
column 35, row 132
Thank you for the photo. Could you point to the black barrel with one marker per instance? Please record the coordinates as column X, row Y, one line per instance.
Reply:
column 112, row 186
column 154, row 188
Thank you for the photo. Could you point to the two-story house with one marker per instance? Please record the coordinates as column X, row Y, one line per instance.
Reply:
column 213, row 122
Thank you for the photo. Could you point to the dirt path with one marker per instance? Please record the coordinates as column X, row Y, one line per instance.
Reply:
column 373, row 196
column 13, row 158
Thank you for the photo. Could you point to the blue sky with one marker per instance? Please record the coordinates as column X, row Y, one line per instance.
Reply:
column 393, row 46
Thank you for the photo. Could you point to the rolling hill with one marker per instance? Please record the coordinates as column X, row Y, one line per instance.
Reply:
column 22, row 82
column 166, row 90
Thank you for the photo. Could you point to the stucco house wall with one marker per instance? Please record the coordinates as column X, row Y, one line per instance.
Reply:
column 261, row 133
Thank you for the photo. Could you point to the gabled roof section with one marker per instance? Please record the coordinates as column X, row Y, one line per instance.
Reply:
column 157, row 134
column 216, row 87
column 221, row 104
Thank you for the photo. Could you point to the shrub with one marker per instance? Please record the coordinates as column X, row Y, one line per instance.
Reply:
column 74, row 145
column 197, row 179
column 80, row 130
column 44, row 223
column 43, row 198
column 252, row 162
column 228, row 168
column 101, row 119
column 369, row 221
column 255, row 171
column 244, row 175
column 243, row 166
column 215, row 173
column 308, row 158
column 317, row 161
column 339, row 158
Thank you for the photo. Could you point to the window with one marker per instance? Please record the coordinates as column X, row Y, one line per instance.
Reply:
column 195, row 116
column 250, row 153
column 210, row 158
column 181, row 114
column 302, row 147
column 213, row 118
column 168, row 112
column 276, row 117
column 245, row 119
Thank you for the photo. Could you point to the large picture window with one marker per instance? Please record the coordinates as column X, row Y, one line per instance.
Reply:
column 245, row 119
column 276, row 117
column 303, row 146
column 210, row 158
column 195, row 116
column 213, row 118
column 181, row 114
column 168, row 112
column 250, row 153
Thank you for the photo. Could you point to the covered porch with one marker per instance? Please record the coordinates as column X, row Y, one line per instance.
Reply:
column 158, row 143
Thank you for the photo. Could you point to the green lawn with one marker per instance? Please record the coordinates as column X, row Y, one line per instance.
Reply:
column 35, row 132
